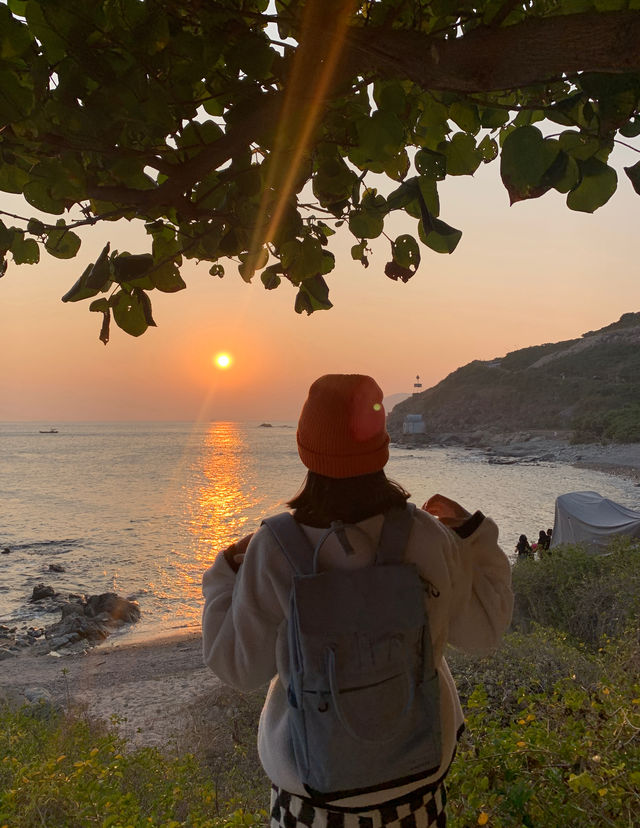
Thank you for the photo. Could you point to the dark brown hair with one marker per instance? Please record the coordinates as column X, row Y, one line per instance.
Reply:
column 322, row 500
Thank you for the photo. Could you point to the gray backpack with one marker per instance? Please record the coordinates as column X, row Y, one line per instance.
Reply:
column 364, row 706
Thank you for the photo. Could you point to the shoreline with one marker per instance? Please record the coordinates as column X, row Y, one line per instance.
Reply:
column 616, row 459
column 150, row 689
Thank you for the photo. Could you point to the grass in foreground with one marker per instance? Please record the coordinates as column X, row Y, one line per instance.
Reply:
column 552, row 740
column 61, row 770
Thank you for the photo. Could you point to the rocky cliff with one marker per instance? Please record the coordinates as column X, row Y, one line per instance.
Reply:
column 587, row 387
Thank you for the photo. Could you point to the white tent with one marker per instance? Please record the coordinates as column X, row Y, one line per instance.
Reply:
column 587, row 517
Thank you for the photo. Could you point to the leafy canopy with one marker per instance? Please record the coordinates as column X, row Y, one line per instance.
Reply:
column 248, row 131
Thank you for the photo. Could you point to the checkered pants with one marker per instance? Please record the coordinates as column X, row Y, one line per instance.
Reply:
column 419, row 809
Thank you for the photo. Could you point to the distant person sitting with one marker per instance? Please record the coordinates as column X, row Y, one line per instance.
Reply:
column 549, row 534
column 523, row 548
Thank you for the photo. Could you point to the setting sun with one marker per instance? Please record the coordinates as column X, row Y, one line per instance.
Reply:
column 222, row 360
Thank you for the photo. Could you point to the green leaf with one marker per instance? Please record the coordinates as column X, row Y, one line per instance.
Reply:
column 62, row 242
column 390, row 96
column 432, row 125
column 100, row 305
column 16, row 99
column 129, row 312
column 529, row 116
column 431, row 164
column 37, row 193
column 25, row 251
column 380, row 138
column 99, row 276
column 312, row 295
column 403, row 195
column 81, row 290
column 466, row 116
column 6, row 236
column 493, row 118
column 12, row 178
column 270, row 276
column 406, row 252
column 35, row 227
column 598, row 183
column 365, row 224
column 106, row 324
column 570, row 175
column 463, row 157
column 127, row 267
column 441, row 237
column 358, row 251
column 17, row 6
column 146, row 306
column 633, row 174
column 526, row 157
column 488, row 148
column 166, row 278
column 53, row 44
column 250, row 262
column 397, row 272
column 579, row 146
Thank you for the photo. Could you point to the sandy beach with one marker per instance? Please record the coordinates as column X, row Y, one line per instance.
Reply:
column 153, row 691
column 156, row 691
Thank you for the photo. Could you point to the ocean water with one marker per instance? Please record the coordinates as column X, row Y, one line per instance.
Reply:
column 142, row 508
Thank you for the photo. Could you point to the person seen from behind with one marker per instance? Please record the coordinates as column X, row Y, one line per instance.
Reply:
column 523, row 547
column 464, row 598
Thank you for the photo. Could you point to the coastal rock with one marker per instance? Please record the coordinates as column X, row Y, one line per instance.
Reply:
column 84, row 622
column 37, row 695
column 6, row 551
column 42, row 591
column 72, row 608
column 113, row 606
column 40, row 701
column 56, row 568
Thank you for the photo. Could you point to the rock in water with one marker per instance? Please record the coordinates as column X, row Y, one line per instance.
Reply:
column 42, row 591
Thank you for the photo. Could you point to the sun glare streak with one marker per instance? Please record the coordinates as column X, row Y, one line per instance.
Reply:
column 285, row 168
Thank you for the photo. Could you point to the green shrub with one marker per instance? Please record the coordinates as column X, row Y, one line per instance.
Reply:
column 618, row 425
column 530, row 662
column 583, row 594
column 568, row 758
column 553, row 718
column 64, row 771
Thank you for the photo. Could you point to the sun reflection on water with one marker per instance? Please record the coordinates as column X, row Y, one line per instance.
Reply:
column 219, row 491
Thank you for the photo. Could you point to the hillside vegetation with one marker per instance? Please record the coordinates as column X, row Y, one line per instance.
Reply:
column 589, row 386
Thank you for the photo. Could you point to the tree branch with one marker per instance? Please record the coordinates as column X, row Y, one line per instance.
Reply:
column 491, row 59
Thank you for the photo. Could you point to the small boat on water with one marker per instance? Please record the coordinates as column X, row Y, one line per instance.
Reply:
column 48, row 431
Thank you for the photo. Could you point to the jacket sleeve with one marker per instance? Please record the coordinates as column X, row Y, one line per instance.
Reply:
column 241, row 616
column 482, row 599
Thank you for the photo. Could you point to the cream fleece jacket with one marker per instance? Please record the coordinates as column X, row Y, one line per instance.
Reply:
column 245, row 624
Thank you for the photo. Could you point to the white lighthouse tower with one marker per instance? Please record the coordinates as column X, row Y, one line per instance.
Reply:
column 413, row 423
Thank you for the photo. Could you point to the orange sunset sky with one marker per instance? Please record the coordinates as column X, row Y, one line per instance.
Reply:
column 523, row 275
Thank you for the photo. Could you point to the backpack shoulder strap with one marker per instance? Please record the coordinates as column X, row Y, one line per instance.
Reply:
column 292, row 541
column 394, row 535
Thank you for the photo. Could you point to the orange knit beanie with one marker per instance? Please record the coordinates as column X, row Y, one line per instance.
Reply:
column 341, row 430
